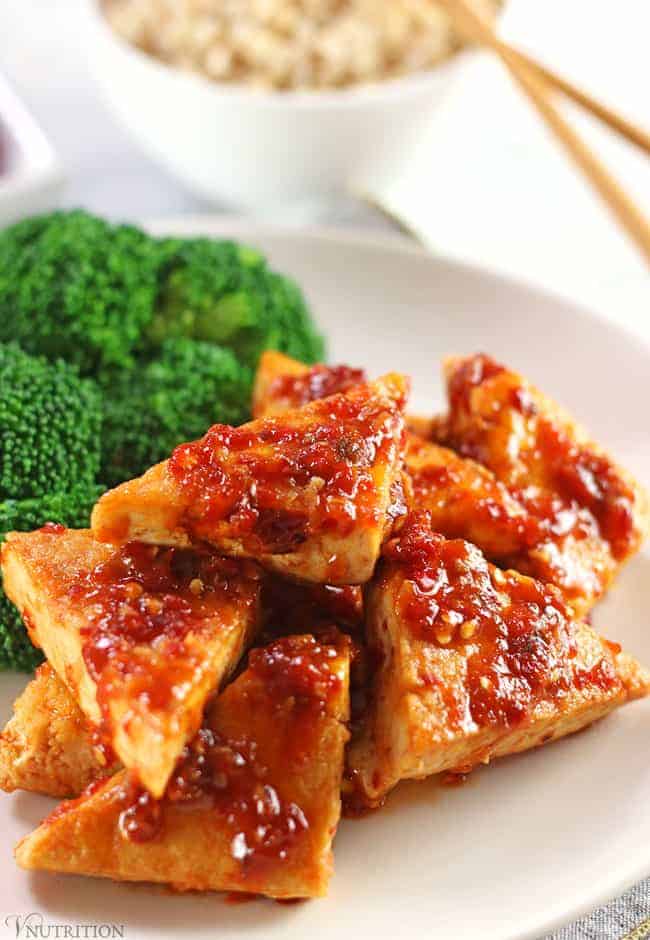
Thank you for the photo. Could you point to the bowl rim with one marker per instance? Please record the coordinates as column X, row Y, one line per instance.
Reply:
column 370, row 93
column 33, row 183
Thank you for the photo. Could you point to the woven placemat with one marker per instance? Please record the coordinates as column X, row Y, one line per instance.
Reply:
column 626, row 918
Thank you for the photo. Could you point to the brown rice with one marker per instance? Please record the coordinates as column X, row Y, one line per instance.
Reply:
column 287, row 44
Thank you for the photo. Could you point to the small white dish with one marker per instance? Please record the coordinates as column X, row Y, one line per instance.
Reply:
column 530, row 842
column 31, row 177
column 265, row 150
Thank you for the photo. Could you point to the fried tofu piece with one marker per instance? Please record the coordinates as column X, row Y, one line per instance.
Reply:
column 283, row 384
column 465, row 499
column 586, row 506
column 253, row 805
column 420, row 426
column 141, row 636
column 534, row 533
column 475, row 663
column 311, row 494
column 48, row 745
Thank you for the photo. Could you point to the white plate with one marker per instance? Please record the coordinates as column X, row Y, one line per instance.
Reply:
column 530, row 842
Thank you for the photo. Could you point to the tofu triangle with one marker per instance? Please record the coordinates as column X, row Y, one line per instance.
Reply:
column 141, row 636
column 311, row 494
column 476, row 663
column 47, row 746
column 254, row 803
column 590, row 514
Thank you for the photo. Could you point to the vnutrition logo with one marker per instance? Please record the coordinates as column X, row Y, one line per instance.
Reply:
column 34, row 927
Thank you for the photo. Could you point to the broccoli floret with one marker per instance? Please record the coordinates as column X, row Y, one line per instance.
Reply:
column 71, row 508
column 16, row 650
column 100, row 295
column 175, row 397
column 74, row 286
column 222, row 292
column 50, row 423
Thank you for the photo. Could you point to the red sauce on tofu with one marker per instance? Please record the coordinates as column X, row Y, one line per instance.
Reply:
column 52, row 528
column 297, row 667
column 141, row 821
column 326, row 609
column 67, row 805
column 291, row 607
column 102, row 746
column 151, row 597
column 227, row 776
column 318, row 382
column 275, row 481
column 591, row 480
column 514, row 631
column 471, row 373
column 531, row 529
column 465, row 499
column 30, row 626
column 575, row 480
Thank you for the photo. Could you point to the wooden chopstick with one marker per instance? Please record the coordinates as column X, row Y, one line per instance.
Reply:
column 532, row 79
column 632, row 132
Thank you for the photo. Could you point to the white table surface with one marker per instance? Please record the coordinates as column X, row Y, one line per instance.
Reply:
column 491, row 184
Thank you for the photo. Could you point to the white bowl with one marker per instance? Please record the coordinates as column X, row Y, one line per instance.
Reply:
column 31, row 177
column 264, row 149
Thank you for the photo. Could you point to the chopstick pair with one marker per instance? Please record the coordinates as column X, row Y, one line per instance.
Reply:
column 537, row 81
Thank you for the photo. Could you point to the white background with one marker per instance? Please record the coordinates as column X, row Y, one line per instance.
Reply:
column 492, row 185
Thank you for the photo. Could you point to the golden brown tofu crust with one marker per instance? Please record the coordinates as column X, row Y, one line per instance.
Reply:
column 497, row 471
column 591, row 514
column 262, row 821
column 475, row 663
column 310, row 495
column 465, row 499
column 48, row 745
column 137, row 636
column 283, row 384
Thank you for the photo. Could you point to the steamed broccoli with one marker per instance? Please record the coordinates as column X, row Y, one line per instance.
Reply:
column 175, row 397
column 225, row 293
column 96, row 294
column 49, row 425
column 71, row 508
column 74, row 286
column 16, row 649
column 49, row 455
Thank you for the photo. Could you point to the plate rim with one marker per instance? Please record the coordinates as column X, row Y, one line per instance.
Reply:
column 388, row 240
